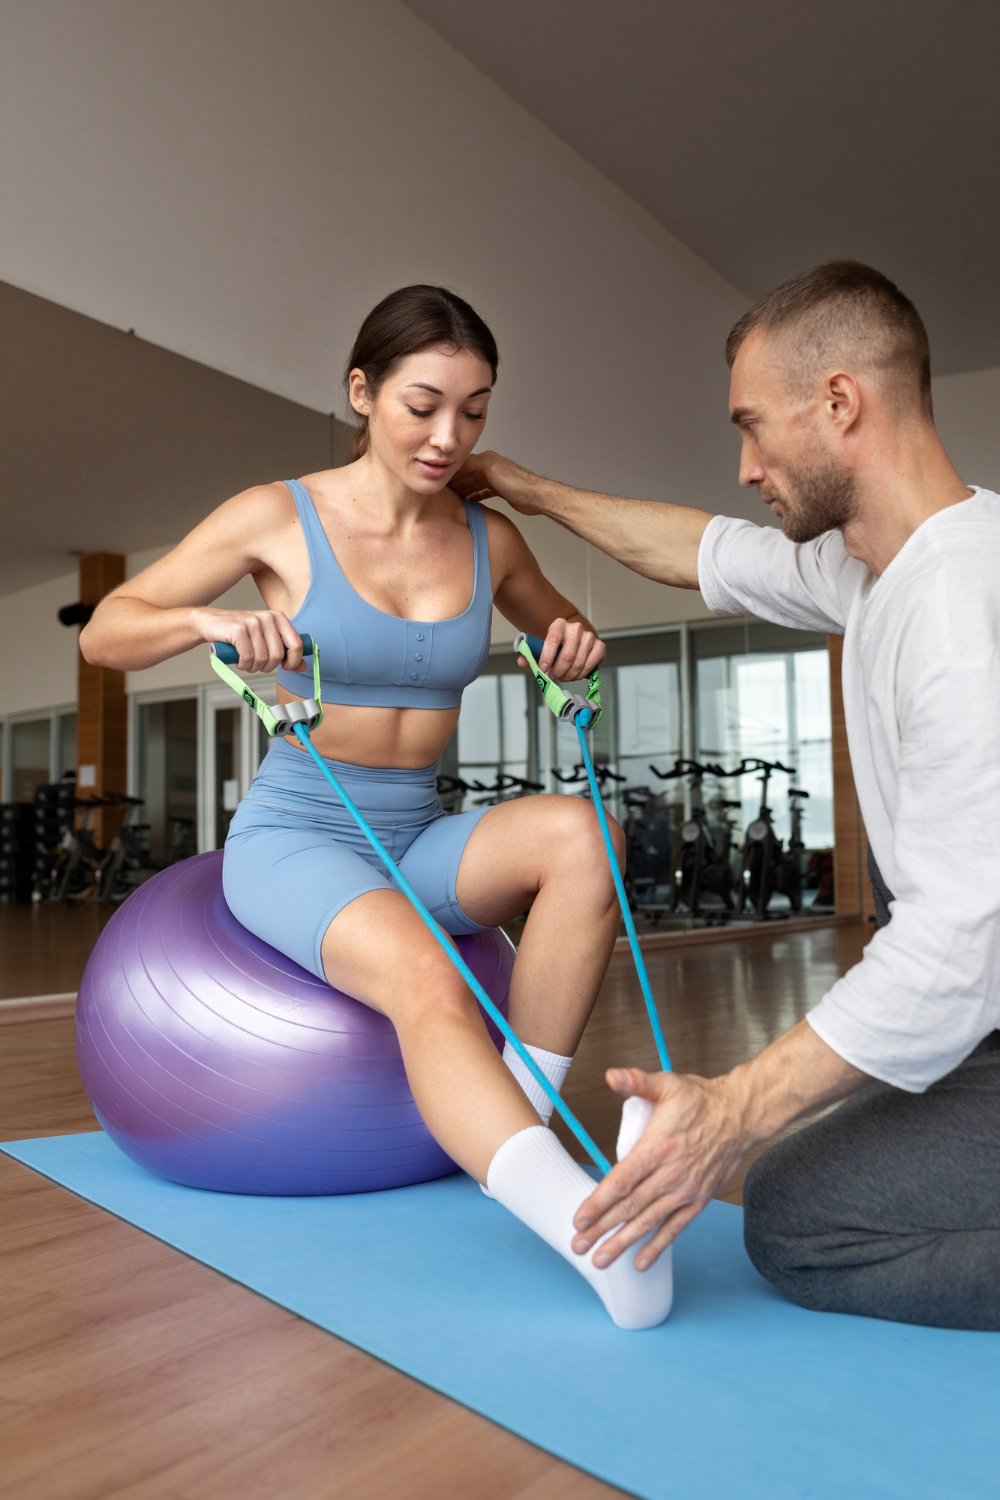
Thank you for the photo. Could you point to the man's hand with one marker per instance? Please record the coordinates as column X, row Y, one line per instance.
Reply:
column 698, row 1132
column 486, row 475
column 691, row 1146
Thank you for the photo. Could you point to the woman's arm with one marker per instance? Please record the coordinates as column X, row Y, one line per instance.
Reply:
column 163, row 610
column 526, row 598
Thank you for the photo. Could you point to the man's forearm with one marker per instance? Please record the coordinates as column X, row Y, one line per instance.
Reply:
column 651, row 537
column 794, row 1075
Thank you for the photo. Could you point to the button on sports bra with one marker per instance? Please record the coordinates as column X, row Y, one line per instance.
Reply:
column 375, row 660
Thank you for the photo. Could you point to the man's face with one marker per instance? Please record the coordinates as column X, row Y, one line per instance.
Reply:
column 787, row 451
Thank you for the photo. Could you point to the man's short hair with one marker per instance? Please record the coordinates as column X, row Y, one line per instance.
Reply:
column 845, row 312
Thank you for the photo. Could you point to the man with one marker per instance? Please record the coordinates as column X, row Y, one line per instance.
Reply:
column 890, row 1205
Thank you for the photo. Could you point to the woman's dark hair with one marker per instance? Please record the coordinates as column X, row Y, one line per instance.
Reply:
column 405, row 322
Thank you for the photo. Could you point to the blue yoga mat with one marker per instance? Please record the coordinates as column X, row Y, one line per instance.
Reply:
column 739, row 1394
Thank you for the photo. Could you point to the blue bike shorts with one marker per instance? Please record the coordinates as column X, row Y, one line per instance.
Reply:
column 295, row 857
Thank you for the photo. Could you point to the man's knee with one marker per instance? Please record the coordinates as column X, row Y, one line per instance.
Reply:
column 783, row 1213
column 765, row 1221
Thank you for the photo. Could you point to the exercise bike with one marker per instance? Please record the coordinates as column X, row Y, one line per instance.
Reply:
column 766, row 866
column 702, row 867
column 127, row 862
column 648, row 826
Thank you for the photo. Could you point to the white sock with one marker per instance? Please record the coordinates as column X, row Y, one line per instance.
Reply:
column 540, row 1183
column 551, row 1064
column 635, row 1118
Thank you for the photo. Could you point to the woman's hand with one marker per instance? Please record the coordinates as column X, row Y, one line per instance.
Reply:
column 265, row 638
column 571, row 650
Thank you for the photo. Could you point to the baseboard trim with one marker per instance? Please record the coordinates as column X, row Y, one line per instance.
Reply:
column 37, row 1008
column 772, row 929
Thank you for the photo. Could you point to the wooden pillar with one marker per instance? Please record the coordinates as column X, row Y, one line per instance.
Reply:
column 852, row 888
column 101, row 706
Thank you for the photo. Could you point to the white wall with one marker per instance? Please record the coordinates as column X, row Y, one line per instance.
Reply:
column 38, row 659
column 42, row 674
column 240, row 180
column 967, row 412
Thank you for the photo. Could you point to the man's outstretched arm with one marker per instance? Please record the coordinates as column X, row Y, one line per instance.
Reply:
column 651, row 537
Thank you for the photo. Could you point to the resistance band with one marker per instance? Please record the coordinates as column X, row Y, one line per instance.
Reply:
column 585, row 713
column 300, row 719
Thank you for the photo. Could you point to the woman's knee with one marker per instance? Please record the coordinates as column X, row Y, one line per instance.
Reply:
column 575, row 836
column 426, row 988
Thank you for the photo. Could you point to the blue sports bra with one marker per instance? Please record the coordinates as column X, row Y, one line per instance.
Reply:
column 376, row 660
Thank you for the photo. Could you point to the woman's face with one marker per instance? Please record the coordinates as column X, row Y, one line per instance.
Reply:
column 428, row 415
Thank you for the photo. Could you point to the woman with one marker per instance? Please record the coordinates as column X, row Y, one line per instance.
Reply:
column 395, row 577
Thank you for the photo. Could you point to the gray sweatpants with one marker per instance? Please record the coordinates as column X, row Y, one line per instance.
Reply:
column 889, row 1206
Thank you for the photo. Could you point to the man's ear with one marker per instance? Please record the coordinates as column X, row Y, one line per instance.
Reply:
column 842, row 399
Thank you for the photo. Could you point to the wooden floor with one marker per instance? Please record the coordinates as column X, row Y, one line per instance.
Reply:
column 128, row 1372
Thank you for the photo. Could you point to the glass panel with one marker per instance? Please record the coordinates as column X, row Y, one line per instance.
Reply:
column 479, row 725
column 30, row 757
column 66, row 741
column 813, row 757
column 227, row 770
column 168, row 780
column 514, row 721
column 649, row 719
column 775, row 707
column 494, row 736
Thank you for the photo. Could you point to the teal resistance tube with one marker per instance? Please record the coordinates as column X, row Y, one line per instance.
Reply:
column 592, row 1149
column 633, row 938
column 582, row 720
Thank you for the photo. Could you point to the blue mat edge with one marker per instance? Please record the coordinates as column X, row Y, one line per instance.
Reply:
column 371, row 1348
column 641, row 1481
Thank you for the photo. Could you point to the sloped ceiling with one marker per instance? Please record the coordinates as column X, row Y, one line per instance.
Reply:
column 773, row 135
column 108, row 443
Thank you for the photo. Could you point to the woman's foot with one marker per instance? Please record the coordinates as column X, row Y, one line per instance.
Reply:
column 540, row 1183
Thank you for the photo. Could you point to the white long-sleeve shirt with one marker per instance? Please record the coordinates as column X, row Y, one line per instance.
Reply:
column 921, row 677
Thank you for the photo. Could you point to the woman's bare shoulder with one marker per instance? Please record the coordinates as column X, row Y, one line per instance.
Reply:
column 502, row 531
column 260, row 503
column 509, row 552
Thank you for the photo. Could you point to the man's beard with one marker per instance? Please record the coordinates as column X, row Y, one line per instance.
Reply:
column 819, row 497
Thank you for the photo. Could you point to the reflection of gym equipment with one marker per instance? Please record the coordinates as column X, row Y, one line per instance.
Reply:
column 127, row 863
column 707, row 853
column 454, row 789
column 767, row 867
column 78, row 869
column 702, row 865
column 75, row 871
column 648, row 827
column 602, row 773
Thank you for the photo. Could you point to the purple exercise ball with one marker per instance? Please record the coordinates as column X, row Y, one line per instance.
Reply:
column 215, row 1061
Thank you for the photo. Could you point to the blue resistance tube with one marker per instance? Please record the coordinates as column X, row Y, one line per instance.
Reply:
column 582, row 722
column 500, row 1021
column 633, row 939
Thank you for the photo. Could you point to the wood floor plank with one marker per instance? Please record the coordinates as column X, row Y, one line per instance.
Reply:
column 128, row 1372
